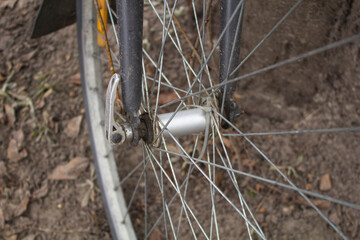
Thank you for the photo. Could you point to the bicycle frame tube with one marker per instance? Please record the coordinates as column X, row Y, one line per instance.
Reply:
column 129, row 27
column 229, row 55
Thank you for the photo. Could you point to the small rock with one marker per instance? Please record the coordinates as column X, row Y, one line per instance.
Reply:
column 288, row 210
column 325, row 183
column 73, row 127
column 71, row 170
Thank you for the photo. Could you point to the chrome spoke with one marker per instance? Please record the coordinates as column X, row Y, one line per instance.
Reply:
column 270, row 67
column 297, row 4
column 328, row 130
column 269, row 181
column 326, row 219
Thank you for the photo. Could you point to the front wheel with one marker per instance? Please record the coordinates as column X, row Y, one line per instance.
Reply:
column 247, row 181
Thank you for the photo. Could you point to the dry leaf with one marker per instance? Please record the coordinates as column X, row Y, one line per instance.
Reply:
column 2, row 169
column 259, row 187
column 21, row 208
column 2, row 117
column 27, row 57
column 19, row 137
column 76, row 79
column 262, row 210
column 73, row 127
column 71, row 170
column 227, row 142
column 42, row 191
column 29, row 237
column 325, row 183
column 10, row 114
column 308, row 186
column 218, row 178
column 318, row 202
column 48, row 93
column 40, row 103
column 7, row 3
column 156, row 234
column 13, row 153
column 12, row 237
column 166, row 97
column 248, row 163
column 150, row 70
column 2, row 219
column 85, row 200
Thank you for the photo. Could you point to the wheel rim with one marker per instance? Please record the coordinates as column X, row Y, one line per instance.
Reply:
column 157, row 164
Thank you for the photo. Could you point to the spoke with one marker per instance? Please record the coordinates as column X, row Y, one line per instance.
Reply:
column 102, row 59
column 111, row 51
column 286, row 186
column 112, row 22
column 329, row 130
column 130, row 173
column 203, row 56
column 136, row 188
column 145, row 193
column 169, row 84
column 145, row 89
column 181, row 198
column 165, row 32
column 233, row 179
column 197, row 77
column 216, row 187
column 267, row 35
column 288, row 180
column 212, row 187
column 174, row 185
column 161, row 187
column 163, row 198
column 170, row 202
column 271, row 67
column 180, row 48
column 188, row 65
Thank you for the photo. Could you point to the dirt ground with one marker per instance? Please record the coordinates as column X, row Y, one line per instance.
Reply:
column 43, row 127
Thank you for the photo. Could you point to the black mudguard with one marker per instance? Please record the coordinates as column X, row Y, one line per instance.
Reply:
column 54, row 15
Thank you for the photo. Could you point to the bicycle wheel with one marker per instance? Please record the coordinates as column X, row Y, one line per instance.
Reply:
column 220, row 183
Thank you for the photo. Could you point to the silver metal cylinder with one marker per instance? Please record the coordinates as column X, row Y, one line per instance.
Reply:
column 184, row 122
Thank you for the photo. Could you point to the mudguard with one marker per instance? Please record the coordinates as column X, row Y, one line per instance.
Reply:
column 54, row 15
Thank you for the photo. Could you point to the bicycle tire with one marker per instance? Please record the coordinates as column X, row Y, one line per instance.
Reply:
column 93, row 95
column 107, row 176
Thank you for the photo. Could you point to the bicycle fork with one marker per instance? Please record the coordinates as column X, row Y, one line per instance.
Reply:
column 129, row 26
